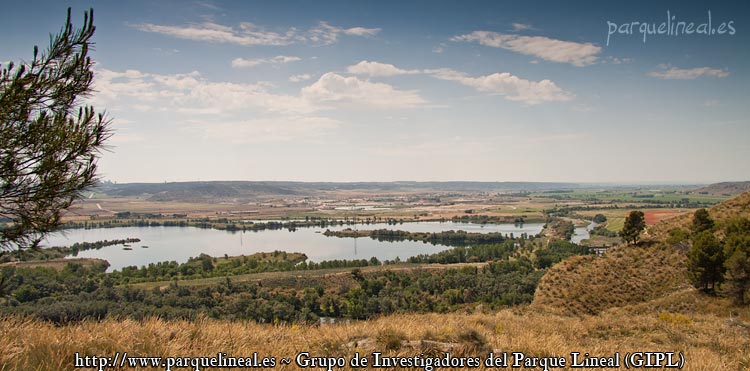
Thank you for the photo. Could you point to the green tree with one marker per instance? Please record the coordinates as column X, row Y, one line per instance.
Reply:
column 677, row 235
column 738, row 273
column 706, row 261
column 634, row 225
column 701, row 221
column 49, row 140
column 737, row 265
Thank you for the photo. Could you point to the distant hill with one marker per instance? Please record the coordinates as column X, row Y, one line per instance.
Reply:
column 725, row 188
column 627, row 275
column 250, row 190
column 194, row 191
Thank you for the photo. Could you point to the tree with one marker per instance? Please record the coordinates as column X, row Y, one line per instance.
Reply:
column 677, row 236
column 706, row 261
column 600, row 218
column 738, row 269
column 633, row 226
column 701, row 221
column 737, row 252
column 49, row 140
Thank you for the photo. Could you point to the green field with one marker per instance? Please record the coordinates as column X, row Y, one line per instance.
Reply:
column 615, row 217
column 632, row 195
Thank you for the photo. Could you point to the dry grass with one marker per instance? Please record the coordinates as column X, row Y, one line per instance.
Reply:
column 736, row 207
column 625, row 275
column 706, row 339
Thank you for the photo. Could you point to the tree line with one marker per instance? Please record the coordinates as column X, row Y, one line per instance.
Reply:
column 446, row 238
column 509, row 276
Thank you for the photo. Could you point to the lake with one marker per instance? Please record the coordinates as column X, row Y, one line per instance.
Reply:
column 181, row 243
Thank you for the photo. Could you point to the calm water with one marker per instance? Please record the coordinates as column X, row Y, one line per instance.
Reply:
column 582, row 233
column 181, row 243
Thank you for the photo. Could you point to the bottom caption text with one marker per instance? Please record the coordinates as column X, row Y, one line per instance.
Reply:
column 375, row 360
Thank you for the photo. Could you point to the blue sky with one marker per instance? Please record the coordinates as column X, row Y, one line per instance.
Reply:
column 422, row 90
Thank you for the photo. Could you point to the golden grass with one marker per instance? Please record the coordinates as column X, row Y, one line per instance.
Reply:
column 706, row 339
column 625, row 275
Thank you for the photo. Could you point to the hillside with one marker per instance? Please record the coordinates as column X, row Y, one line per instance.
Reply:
column 736, row 207
column 627, row 275
column 725, row 188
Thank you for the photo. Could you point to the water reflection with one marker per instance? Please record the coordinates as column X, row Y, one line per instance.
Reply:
column 181, row 243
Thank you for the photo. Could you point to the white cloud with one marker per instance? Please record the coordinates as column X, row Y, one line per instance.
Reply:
column 277, row 60
column 615, row 60
column 333, row 88
column 299, row 78
column 110, row 85
column 325, row 34
column 284, row 59
column 361, row 31
column 189, row 93
column 521, row 26
column 246, row 34
column 577, row 54
column 509, row 86
column 378, row 69
column 209, row 5
column 249, row 34
column 166, row 51
column 192, row 94
column 232, row 112
column 505, row 84
column 244, row 63
column 675, row 73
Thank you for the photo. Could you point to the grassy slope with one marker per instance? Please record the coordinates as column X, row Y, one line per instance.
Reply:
column 738, row 206
column 626, row 275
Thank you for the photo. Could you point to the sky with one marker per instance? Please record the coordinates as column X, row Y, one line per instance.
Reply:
column 413, row 90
